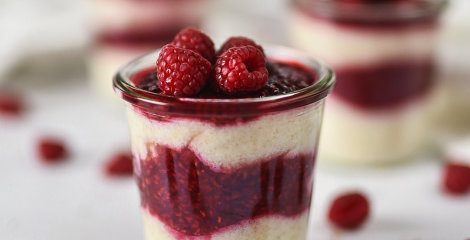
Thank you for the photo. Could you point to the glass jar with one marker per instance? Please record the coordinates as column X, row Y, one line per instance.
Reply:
column 382, row 53
column 225, row 168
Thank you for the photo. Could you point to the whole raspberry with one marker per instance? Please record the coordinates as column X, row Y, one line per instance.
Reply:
column 349, row 211
column 181, row 72
column 120, row 164
column 456, row 179
column 238, row 42
column 10, row 104
column 241, row 70
column 193, row 39
column 51, row 150
column 370, row 1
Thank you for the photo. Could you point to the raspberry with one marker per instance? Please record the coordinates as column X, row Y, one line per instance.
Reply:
column 181, row 72
column 349, row 211
column 456, row 179
column 51, row 150
column 241, row 70
column 10, row 104
column 120, row 164
column 238, row 42
column 193, row 39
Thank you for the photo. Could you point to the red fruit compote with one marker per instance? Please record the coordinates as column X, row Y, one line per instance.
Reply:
column 227, row 167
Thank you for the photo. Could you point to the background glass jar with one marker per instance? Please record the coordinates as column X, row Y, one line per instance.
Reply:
column 384, row 101
column 225, row 168
column 126, row 29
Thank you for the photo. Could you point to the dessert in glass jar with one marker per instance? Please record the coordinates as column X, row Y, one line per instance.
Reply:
column 228, row 153
column 126, row 29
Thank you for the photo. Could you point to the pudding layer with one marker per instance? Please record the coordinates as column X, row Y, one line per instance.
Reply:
column 344, row 46
column 270, row 227
column 288, row 133
column 377, row 137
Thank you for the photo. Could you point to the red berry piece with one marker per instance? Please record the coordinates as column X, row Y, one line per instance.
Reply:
column 181, row 72
column 10, row 104
column 120, row 164
column 51, row 150
column 238, row 42
column 456, row 178
column 193, row 39
column 349, row 211
column 370, row 1
column 241, row 70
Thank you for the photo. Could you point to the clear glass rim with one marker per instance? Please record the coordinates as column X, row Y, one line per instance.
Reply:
column 373, row 12
column 145, row 99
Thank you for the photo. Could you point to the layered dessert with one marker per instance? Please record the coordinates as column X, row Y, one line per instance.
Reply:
column 382, row 53
column 225, row 143
column 453, row 58
column 126, row 29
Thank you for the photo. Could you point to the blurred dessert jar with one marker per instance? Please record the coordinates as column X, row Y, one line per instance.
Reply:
column 454, row 72
column 125, row 29
column 382, row 52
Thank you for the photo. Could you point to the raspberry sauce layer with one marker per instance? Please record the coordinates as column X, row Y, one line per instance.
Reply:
column 384, row 85
column 283, row 78
column 195, row 200
column 373, row 15
column 141, row 37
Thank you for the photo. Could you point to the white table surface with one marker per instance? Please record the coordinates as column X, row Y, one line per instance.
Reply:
column 74, row 200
